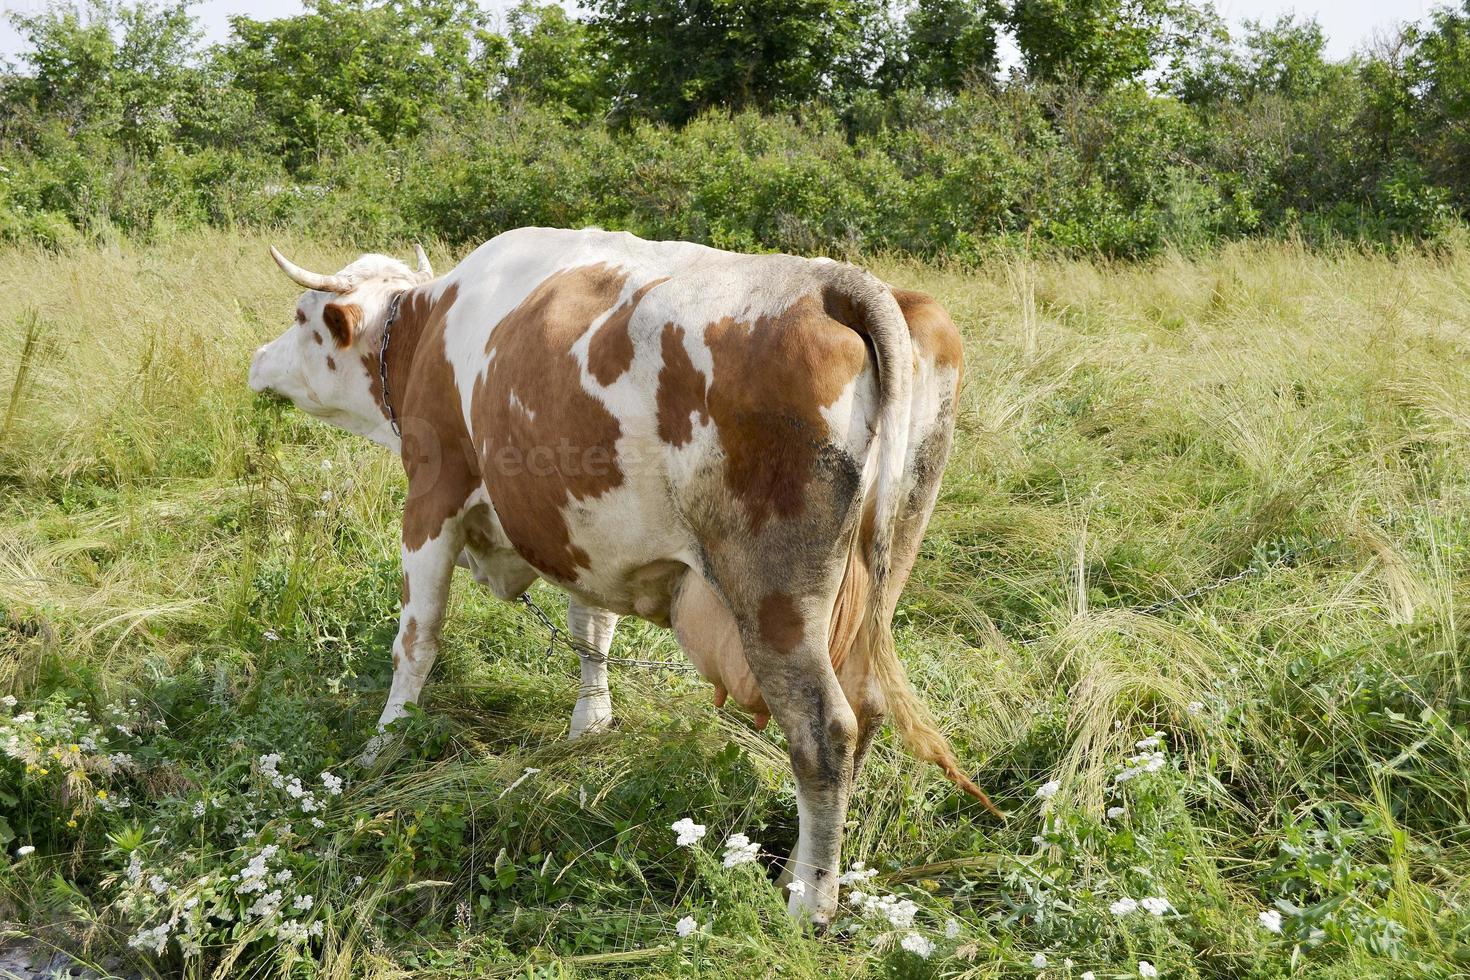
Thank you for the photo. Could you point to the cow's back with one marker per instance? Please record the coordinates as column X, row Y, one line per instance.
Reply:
column 638, row 397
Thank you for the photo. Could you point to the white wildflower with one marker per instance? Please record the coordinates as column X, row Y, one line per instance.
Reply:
column 24, row 850
column 333, row 783
column 899, row 912
column 1048, row 789
column 1114, row 812
column 1087, row 975
column 155, row 939
column 135, row 867
column 858, row 874
column 159, row 884
column 1039, row 961
column 252, row 876
column 1123, row 906
column 9, row 701
column 317, row 823
column 265, row 906
column 1270, row 920
column 1156, row 906
column 268, row 769
column 1147, row 969
column 686, row 927
column 303, row 903
column 951, row 929
column 1195, row 707
column 740, row 849
column 283, row 876
column 198, row 809
column 689, row 832
column 271, row 636
column 918, row 945
column 326, row 496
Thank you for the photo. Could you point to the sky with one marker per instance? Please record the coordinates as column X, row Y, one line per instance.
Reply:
column 1349, row 24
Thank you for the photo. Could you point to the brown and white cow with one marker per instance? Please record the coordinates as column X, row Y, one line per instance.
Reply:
column 746, row 448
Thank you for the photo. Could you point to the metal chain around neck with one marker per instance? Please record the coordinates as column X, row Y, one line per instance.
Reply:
column 393, row 305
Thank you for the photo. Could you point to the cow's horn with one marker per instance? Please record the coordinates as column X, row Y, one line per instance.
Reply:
column 311, row 280
column 425, row 269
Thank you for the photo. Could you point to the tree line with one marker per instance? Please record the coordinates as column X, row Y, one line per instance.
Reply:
column 837, row 126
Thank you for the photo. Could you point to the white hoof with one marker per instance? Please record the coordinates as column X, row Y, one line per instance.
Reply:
column 374, row 748
column 592, row 714
column 814, row 904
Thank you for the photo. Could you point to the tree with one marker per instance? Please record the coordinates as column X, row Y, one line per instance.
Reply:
column 112, row 70
column 556, row 61
column 668, row 59
column 1100, row 43
column 1285, row 59
column 351, row 69
column 949, row 43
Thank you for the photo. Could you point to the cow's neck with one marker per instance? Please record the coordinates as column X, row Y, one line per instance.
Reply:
column 404, row 343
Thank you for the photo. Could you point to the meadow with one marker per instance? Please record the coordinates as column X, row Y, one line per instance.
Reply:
column 1190, row 608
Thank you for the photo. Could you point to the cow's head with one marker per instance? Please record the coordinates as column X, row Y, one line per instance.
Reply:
column 326, row 363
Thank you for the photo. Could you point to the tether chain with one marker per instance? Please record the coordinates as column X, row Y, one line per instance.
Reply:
column 558, row 634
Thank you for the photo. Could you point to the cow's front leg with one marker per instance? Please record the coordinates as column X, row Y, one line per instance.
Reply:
column 592, row 630
column 426, row 575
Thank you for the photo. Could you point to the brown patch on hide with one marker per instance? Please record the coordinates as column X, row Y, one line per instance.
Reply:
column 681, row 390
column 544, row 442
column 781, row 624
column 931, row 331
column 610, row 352
column 771, row 380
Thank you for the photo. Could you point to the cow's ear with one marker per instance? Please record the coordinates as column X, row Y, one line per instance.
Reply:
column 343, row 319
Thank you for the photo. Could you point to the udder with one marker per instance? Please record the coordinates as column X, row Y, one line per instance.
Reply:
column 707, row 632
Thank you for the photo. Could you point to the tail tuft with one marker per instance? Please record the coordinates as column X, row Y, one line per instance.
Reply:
column 910, row 716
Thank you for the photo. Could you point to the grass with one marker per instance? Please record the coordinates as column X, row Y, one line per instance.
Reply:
column 1222, row 499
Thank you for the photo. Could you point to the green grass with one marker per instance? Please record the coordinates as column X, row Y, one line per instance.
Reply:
column 1129, row 435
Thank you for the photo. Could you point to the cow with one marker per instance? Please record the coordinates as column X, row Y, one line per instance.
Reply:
column 743, row 448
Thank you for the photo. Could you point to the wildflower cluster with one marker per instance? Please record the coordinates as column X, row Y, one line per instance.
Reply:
column 689, row 832
column 70, row 758
column 262, row 894
column 1149, row 759
column 739, row 850
column 891, row 919
column 258, row 896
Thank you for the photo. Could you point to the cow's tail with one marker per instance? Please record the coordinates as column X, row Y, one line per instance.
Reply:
column 879, row 317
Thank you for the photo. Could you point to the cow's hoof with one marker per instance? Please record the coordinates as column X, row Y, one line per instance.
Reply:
column 373, row 750
column 591, row 716
column 820, row 916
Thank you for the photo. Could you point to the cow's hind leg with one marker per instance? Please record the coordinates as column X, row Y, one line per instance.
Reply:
column 786, row 645
column 592, row 631
column 426, row 576
column 780, row 592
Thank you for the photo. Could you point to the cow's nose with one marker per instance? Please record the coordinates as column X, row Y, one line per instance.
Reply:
column 256, row 380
